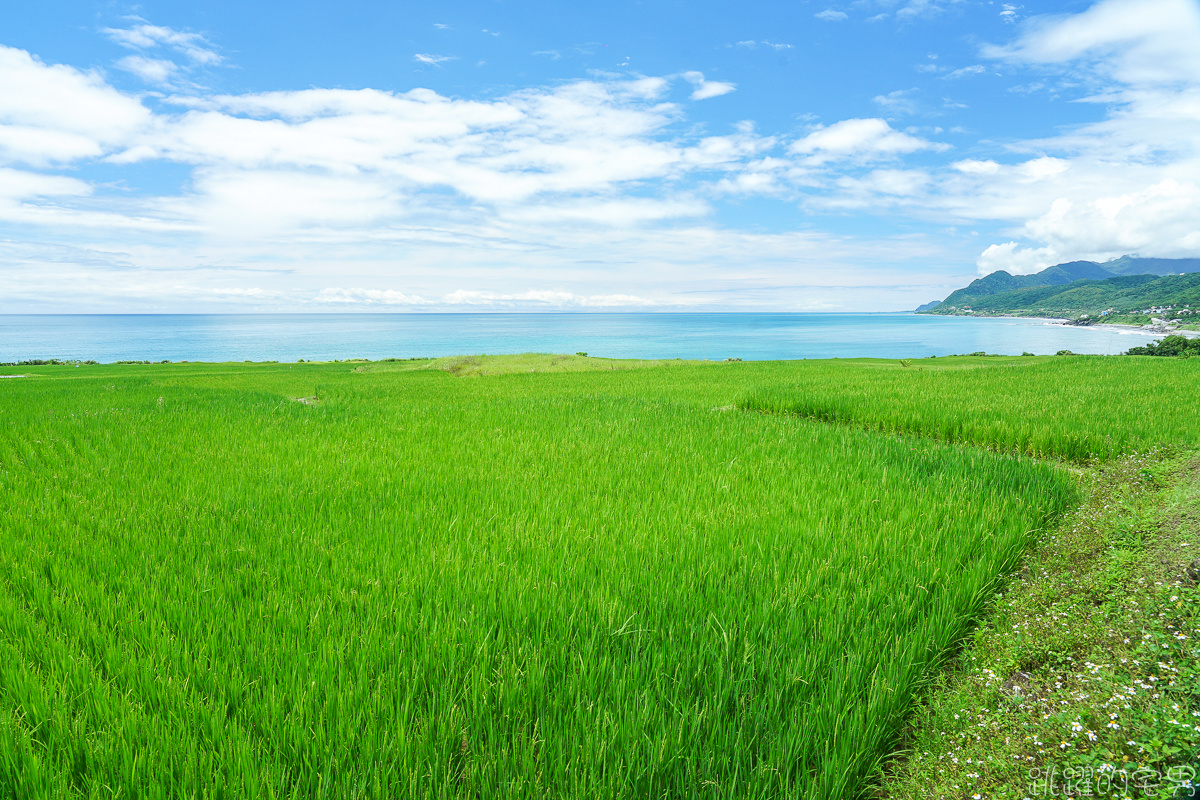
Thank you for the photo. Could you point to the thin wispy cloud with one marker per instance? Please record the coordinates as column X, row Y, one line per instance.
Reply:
column 193, row 51
column 144, row 36
column 752, row 44
column 965, row 72
column 831, row 15
column 152, row 70
column 433, row 60
column 901, row 101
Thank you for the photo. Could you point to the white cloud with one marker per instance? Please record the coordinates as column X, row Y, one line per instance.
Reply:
column 752, row 44
column 1159, row 220
column 623, row 213
column 151, row 70
column 706, row 89
column 1042, row 168
column 595, row 193
column 385, row 297
column 543, row 297
column 144, row 36
column 831, row 15
column 1129, row 183
column 1009, row 11
column 1015, row 259
column 859, row 139
column 898, row 102
column 1135, row 42
column 433, row 60
column 19, row 185
column 254, row 203
column 914, row 9
column 52, row 114
column 964, row 72
column 973, row 166
column 898, row 182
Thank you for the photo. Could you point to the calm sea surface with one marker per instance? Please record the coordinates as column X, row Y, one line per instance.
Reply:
column 287, row 337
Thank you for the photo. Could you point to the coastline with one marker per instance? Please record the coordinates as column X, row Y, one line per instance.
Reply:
column 1147, row 330
column 1111, row 327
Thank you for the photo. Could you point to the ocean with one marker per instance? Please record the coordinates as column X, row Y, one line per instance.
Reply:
column 715, row 336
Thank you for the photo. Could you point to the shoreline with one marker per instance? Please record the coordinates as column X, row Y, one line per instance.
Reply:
column 1118, row 327
column 1112, row 327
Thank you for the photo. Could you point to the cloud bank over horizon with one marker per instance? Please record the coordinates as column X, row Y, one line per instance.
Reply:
column 615, row 189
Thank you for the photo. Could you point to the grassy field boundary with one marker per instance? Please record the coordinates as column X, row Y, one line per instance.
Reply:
column 1084, row 678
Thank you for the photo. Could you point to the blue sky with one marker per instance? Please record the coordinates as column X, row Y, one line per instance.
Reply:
column 866, row 155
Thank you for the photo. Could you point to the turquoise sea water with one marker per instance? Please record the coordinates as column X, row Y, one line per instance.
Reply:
column 288, row 337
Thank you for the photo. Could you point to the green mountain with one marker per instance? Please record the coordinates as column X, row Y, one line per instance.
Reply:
column 1124, row 294
column 1133, row 265
column 1060, row 275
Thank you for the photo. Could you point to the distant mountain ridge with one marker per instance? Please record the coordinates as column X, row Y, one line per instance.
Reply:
column 1004, row 283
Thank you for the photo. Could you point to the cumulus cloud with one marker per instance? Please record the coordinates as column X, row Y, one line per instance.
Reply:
column 973, row 166
column 859, row 140
column 53, row 114
column 1159, row 220
column 1015, row 259
column 706, row 89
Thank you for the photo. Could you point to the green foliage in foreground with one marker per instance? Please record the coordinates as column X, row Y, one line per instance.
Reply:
column 411, row 584
column 1084, row 680
column 1077, row 408
column 1170, row 346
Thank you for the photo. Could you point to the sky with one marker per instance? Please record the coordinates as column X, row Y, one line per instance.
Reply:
column 493, row 155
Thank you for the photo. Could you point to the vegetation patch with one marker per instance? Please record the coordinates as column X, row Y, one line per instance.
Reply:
column 1085, row 679
column 1170, row 346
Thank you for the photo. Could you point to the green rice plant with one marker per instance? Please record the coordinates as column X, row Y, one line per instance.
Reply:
column 588, row 584
column 1079, row 409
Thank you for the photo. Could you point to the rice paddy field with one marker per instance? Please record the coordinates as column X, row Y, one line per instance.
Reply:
column 1075, row 408
column 487, row 578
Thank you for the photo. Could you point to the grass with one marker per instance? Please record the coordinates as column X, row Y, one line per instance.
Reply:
column 1083, row 680
column 472, row 578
